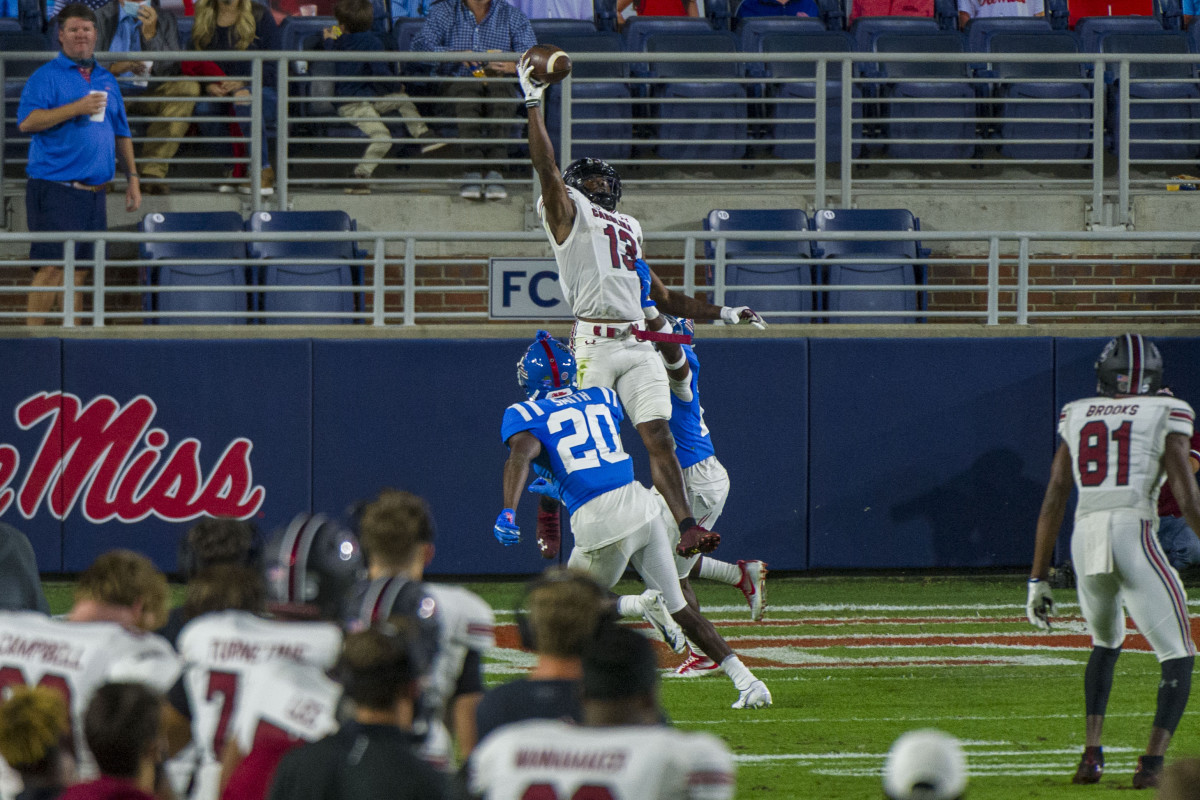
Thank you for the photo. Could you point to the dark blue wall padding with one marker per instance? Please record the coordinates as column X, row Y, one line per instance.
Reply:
column 928, row 452
column 215, row 392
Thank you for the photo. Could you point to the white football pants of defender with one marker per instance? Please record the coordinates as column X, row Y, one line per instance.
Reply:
column 1117, row 558
column 707, row 485
column 645, row 545
column 632, row 368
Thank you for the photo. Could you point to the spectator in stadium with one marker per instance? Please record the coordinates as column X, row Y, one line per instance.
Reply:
column 890, row 8
column 71, row 154
column 556, row 9
column 622, row 727
column 1190, row 9
column 925, row 764
column 976, row 9
column 372, row 757
column 209, row 542
column 143, row 25
column 364, row 101
column 1178, row 540
column 122, row 728
column 121, row 586
column 562, row 609
column 777, row 8
column 35, row 740
column 655, row 8
column 236, row 25
column 20, row 583
column 479, row 25
column 1181, row 780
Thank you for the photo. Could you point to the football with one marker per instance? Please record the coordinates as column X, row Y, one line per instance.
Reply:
column 550, row 64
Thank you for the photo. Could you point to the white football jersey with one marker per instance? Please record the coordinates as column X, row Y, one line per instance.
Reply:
column 219, row 651
column 286, row 698
column 467, row 623
column 1117, row 444
column 76, row 658
column 549, row 758
column 595, row 261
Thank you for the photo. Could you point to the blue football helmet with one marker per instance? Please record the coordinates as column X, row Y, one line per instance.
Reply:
column 547, row 369
column 681, row 325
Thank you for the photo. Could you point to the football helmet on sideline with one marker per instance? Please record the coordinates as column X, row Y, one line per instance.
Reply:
column 1129, row 364
column 312, row 562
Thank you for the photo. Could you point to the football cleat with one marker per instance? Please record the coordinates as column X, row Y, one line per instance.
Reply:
column 1090, row 768
column 549, row 532
column 757, row 695
column 697, row 664
column 654, row 610
column 697, row 540
column 1145, row 776
column 754, row 585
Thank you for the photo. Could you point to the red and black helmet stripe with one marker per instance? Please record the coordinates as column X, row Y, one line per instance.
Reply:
column 1136, row 347
column 553, row 362
column 297, row 542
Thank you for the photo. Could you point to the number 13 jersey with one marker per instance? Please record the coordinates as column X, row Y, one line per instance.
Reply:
column 1117, row 444
column 595, row 261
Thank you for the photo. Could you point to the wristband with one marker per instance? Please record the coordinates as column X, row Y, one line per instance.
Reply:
column 650, row 312
column 682, row 360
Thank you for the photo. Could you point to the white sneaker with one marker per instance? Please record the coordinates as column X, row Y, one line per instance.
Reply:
column 756, row 696
column 697, row 664
column 495, row 187
column 654, row 610
column 754, row 586
column 471, row 188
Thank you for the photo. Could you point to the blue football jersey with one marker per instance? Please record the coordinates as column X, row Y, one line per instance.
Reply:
column 581, row 442
column 692, row 442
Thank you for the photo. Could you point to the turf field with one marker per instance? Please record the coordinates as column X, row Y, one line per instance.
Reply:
column 854, row 662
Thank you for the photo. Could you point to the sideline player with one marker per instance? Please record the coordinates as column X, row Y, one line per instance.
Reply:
column 597, row 249
column 622, row 749
column 571, row 436
column 1116, row 449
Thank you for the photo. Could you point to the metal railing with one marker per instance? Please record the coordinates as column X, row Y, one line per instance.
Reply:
column 403, row 268
column 887, row 140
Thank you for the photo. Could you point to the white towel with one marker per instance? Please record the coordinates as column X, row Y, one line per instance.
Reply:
column 1093, row 547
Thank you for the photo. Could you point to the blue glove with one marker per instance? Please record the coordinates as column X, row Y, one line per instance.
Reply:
column 643, row 272
column 505, row 530
column 548, row 488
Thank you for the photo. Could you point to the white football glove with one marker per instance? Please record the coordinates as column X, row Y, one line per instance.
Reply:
column 734, row 315
column 1040, row 604
column 532, row 87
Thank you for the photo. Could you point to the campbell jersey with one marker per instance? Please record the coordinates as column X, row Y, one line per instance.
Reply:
column 220, row 650
column 595, row 261
column 692, row 442
column 549, row 758
column 76, row 658
column 581, row 442
column 1117, row 446
column 287, row 699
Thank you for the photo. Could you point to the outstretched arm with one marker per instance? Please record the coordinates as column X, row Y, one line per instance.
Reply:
column 678, row 304
column 560, row 210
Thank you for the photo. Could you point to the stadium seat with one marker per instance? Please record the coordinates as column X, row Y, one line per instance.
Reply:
column 981, row 29
column 770, row 274
column 1059, row 82
column 1091, row 30
column 719, row 14
column 750, row 32
column 185, row 30
column 599, row 110
column 865, row 30
column 637, row 29
column 682, row 130
column 217, row 268
column 1157, row 130
column 10, row 25
column 547, row 31
column 15, row 72
column 794, row 89
column 280, row 269
column 925, row 92
column 1169, row 14
column 909, row 274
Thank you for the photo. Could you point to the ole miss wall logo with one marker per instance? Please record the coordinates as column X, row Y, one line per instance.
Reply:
column 108, row 457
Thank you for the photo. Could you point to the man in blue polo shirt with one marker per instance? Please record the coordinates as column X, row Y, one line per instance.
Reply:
column 73, row 108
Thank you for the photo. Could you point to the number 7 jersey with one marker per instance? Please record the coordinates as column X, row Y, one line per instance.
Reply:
column 1117, row 444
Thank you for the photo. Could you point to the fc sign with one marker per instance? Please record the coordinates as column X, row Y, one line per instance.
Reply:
column 525, row 288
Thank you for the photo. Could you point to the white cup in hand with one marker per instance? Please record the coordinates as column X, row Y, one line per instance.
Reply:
column 99, row 115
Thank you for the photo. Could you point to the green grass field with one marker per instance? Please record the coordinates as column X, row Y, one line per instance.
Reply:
column 854, row 662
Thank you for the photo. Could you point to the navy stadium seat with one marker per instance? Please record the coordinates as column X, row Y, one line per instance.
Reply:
column 547, row 31
column 766, row 274
column 833, row 14
column 10, row 25
column 637, row 29
column 907, row 274
column 184, row 28
column 1169, row 13
column 926, row 93
column 279, row 267
column 751, row 31
column 865, row 30
column 687, row 128
column 795, row 94
column 1166, row 129
column 599, row 110
column 1058, row 82
column 216, row 267
column 15, row 73
column 981, row 29
column 1091, row 30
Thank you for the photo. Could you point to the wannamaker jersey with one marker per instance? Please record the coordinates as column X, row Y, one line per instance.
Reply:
column 1117, row 444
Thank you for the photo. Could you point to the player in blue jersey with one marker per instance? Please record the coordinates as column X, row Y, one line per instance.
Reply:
column 571, row 437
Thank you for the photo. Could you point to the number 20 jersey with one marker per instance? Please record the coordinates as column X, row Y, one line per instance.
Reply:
column 581, row 442
column 595, row 261
column 1117, row 444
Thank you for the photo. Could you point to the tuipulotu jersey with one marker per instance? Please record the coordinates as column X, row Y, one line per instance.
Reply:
column 1116, row 445
column 595, row 261
column 549, row 758
column 692, row 441
column 581, row 442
